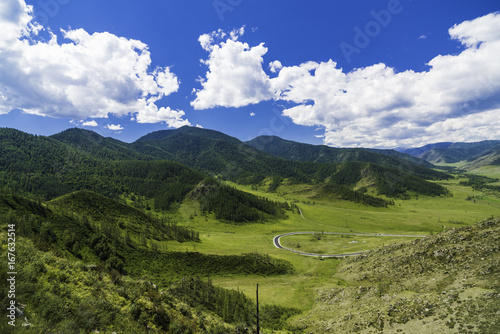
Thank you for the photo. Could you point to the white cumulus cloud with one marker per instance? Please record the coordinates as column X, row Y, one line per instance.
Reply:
column 482, row 29
column 90, row 123
column 86, row 76
column 115, row 127
column 235, row 77
column 275, row 66
column 15, row 21
column 377, row 106
column 374, row 105
column 152, row 114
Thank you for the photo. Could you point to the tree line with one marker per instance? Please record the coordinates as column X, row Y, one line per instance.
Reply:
column 232, row 306
column 233, row 205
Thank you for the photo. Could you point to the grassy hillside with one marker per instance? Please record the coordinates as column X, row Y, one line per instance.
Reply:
column 97, row 207
column 111, row 214
column 55, row 295
column 487, row 158
column 361, row 181
column 446, row 283
column 68, row 258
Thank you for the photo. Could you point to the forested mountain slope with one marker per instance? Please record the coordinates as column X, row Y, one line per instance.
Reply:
column 296, row 151
column 82, row 160
column 219, row 154
column 216, row 153
column 46, row 167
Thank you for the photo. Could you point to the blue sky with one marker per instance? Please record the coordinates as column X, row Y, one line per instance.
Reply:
column 343, row 73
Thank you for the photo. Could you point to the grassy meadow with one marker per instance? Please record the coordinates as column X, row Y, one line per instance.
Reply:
column 422, row 215
column 337, row 244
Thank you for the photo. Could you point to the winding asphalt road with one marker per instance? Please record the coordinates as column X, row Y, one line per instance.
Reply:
column 277, row 242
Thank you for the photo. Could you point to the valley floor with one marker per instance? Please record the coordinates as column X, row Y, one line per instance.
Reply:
column 421, row 216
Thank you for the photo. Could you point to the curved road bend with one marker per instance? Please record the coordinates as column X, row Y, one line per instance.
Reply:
column 277, row 242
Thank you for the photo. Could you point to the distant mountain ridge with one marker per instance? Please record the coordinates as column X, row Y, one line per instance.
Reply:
column 78, row 159
column 296, row 151
column 416, row 151
column 475, row 154
column 249, row 162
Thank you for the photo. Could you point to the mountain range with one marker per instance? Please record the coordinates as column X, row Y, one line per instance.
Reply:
column 473, row 155
column 166, row 165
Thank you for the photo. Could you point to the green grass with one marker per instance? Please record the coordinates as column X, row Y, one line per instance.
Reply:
column 424, row 215
column 337, row 244
column 489, row 171
column 486, row 170
column 433, row 285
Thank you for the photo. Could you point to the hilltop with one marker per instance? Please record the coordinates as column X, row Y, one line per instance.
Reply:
column 96, row 146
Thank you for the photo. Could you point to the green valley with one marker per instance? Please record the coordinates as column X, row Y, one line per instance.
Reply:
column 172, row 233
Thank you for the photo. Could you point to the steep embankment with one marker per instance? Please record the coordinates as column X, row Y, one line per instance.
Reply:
column 446, row 283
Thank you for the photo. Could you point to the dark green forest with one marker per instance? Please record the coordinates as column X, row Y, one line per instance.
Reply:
column 232, row 205
column 347, row 194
